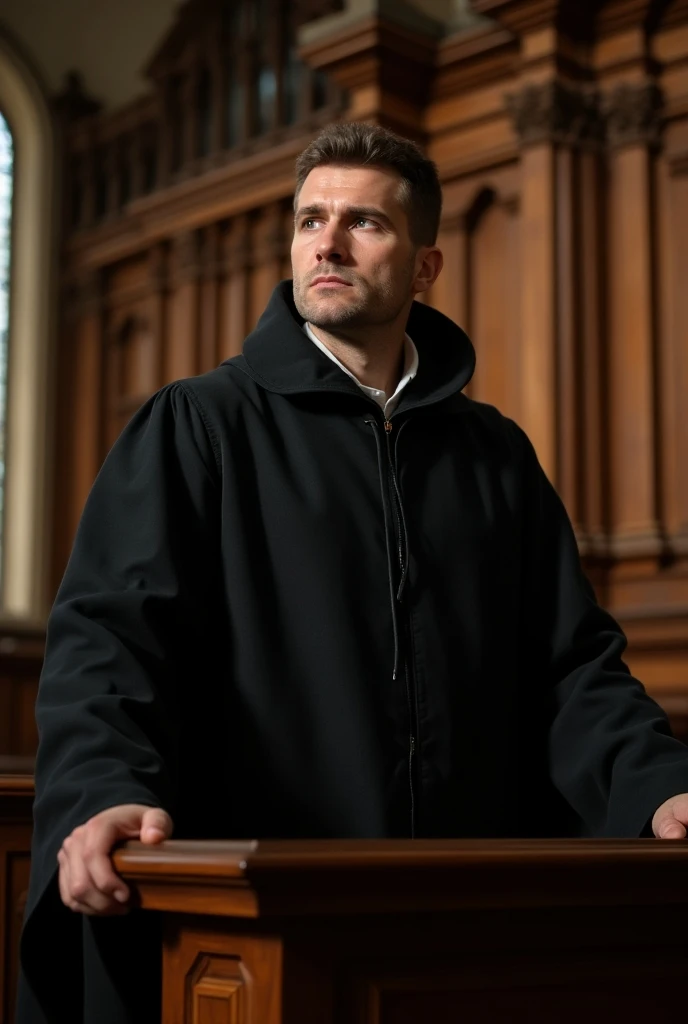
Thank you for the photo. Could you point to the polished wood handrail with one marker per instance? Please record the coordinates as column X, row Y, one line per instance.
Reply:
column 257, row 879
column 232, row 858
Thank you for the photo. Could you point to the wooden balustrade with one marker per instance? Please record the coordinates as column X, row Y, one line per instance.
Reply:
column 226, row 82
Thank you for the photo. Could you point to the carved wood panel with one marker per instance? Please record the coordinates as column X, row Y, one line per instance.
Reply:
column 215, row 978
column 217, row 991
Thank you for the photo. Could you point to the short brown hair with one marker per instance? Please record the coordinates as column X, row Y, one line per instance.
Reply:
column 355, row 144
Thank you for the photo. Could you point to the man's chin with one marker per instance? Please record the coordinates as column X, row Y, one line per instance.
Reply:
column 329, row 311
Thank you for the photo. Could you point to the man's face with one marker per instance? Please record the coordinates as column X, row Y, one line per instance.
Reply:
column 353, row 262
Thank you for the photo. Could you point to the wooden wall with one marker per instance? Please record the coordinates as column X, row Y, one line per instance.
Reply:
column 561, row 133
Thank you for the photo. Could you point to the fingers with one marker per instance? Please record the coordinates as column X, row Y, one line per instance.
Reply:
column 79, row 889
column 670, row 828
column 87, row 880
column 156, row 825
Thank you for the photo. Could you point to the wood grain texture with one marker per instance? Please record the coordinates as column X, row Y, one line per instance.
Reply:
column 400, row 932
column 564, row 167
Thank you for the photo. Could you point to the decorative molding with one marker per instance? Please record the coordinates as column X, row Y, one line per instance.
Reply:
column 555, row 113
column 378, row 54
column 574, row 18
column 218, row 983
column 473, row 58
column 633, row 115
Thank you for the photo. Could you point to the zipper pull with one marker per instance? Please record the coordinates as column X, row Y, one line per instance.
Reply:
column 413, row 746
column 388, row 426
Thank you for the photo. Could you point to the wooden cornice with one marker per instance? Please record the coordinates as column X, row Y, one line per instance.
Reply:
column 572, row 17
column 580, row 18
column 474, row 58
column 619, row 15
column 375, row 51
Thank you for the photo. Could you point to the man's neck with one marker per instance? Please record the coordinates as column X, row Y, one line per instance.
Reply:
column 375, row 358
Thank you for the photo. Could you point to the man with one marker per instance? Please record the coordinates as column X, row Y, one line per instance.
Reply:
column 320, row 592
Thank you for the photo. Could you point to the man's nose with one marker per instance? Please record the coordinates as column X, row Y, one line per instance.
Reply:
column 332, row 245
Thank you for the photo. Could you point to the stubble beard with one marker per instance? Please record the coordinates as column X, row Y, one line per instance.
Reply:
column 374, row 307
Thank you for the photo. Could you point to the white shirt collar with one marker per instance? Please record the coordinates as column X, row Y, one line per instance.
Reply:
column 388, row 405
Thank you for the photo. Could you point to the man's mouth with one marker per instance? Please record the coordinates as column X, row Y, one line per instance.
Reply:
column 330, row 281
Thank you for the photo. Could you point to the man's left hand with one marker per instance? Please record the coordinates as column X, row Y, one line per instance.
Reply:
column 670, row 821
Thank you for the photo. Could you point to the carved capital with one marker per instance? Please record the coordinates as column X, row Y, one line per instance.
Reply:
column 553, row 112
column 634, row 115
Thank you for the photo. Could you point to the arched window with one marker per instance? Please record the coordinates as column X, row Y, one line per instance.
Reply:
column 6, row 191
column 27, row 322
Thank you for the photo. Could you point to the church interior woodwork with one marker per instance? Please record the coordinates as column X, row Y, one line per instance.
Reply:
column 560, row 131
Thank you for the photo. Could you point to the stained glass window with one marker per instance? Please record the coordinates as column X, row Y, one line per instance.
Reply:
column 6, row 181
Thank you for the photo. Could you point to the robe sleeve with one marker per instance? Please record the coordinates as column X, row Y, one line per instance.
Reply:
column 123, row 638
column 611, row 752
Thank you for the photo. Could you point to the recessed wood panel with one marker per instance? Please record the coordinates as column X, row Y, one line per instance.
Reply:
column 215, row 977
column 494, row 308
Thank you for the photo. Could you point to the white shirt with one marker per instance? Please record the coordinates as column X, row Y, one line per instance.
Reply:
column 388, row 405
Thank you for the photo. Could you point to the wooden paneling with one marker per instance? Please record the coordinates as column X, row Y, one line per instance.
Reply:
column 400, row 933
column 631, row 339
column 494, row 302
column 16, row 795
column 672, row 249
column 21, row 657
column 565, row 173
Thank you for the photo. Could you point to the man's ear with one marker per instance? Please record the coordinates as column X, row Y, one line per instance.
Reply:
column 431, row 263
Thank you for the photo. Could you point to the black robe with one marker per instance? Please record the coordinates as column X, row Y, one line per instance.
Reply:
column 285, row 618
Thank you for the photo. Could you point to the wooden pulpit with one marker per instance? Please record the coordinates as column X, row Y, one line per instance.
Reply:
column 424, row 932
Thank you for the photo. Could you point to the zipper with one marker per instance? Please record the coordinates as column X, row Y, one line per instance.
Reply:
column 410, row 686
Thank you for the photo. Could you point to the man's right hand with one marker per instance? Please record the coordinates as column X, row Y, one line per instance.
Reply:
column 87, row 879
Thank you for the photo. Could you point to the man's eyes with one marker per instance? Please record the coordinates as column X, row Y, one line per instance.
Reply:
column 312, row 222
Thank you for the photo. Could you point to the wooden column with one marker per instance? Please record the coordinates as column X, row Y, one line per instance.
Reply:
column 268, row 248
column 673, row 303
column 181, row 354
column 234, row 320
column 554, row 122
column 591, row 233
column 209, row 299
column 85, row 327
column 633, row 129
column 157, row 302
column 386, row 69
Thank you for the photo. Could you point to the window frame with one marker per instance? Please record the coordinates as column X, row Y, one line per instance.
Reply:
column 24, row 597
